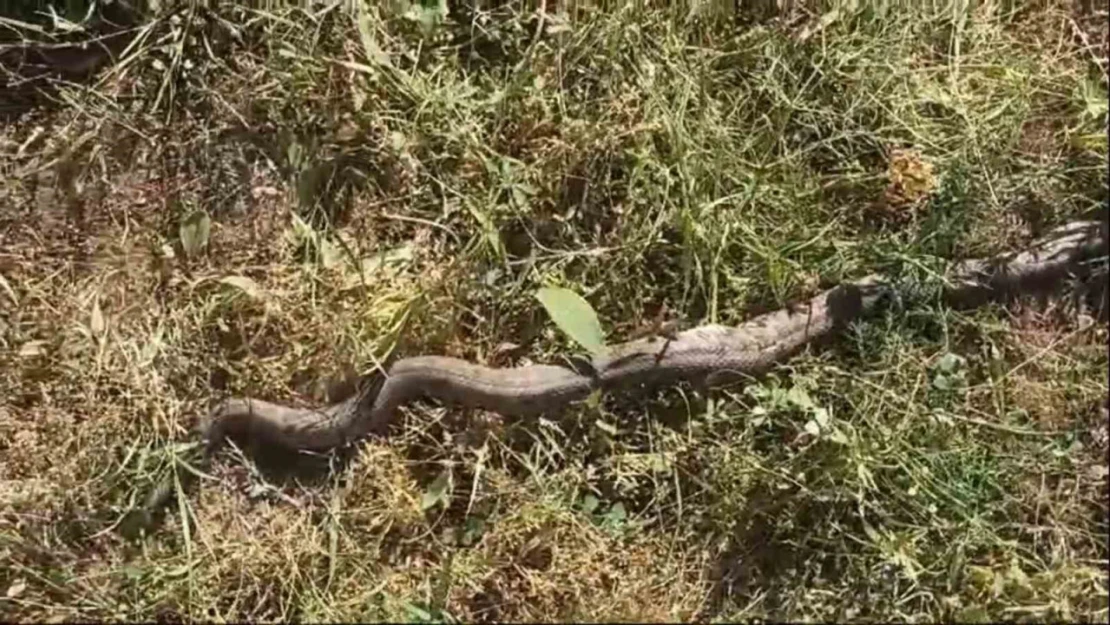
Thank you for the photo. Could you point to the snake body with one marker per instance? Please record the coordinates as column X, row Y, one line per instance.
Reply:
column 703, row 355
column 706, row 353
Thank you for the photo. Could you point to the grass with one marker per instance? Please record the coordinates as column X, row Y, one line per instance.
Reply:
column 391, row 180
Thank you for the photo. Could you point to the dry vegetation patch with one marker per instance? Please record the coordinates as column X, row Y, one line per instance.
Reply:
column 270, row 200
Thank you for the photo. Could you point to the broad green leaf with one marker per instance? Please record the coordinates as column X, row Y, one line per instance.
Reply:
column 294, row 153
column 593, row 400
column 194, row 232
column 520, row 198
column 437, row 491
column 473, row 530
column 418, row 614
column 574, row 316
column 302, row 232
column 812, row 428
column 1094, row 96
column 800, row 398
column 429, row 14
column 950, row 362
column 838, row 437
column 489, row 230
column 942, row 383
column 821, row 416
column 616, row 514
column 973, row 614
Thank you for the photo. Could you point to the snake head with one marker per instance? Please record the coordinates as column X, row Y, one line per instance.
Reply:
column 213, row 426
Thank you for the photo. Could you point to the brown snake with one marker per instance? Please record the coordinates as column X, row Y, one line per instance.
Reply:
column 705, row 355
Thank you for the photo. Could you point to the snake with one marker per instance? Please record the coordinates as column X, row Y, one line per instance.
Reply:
column 707, row 355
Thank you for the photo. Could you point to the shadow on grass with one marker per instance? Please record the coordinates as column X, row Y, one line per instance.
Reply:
column 30, row 71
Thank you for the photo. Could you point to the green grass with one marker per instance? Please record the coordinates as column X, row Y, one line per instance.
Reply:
column 378, row 184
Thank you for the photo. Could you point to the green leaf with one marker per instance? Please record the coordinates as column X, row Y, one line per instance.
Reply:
column 473, row 530
column 194, row 232
column 418, row 614
column 302, row 232
column 589, row 503
column 973, row 614
column 1094, row 96
column 437, row 491
column 520, row 199
column 574, row 316
column 489, row 230
column 593, row 400
column 821, row 416
column 616, row 514
column 949, row 362
column 942, row 383
column 800, row 398
column 294, row 153
column 812, row 428
column 429, row 14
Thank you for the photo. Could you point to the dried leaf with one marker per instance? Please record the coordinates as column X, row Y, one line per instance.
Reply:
column 606, row 427
column 505, row 347
column 872, row 534
column 31, row 349
column 7, row 288
column 911, row 180
column 374, row 52
column 330, row 253
column 96, row 319
column 194, row 232
column 246, row 285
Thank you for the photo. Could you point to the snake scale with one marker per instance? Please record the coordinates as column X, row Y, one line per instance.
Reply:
column 704, row 355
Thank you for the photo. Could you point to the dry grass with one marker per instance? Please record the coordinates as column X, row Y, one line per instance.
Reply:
column 374, row 184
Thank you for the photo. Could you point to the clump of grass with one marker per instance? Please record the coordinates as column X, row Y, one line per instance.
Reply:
column 396, row 179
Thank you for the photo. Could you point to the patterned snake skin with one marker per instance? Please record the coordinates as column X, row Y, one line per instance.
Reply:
column 704, row 355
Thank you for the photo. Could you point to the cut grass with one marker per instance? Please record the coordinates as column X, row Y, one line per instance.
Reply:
column 379, row 184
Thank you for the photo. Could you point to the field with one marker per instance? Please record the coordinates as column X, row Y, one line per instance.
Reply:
column 270, row 199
